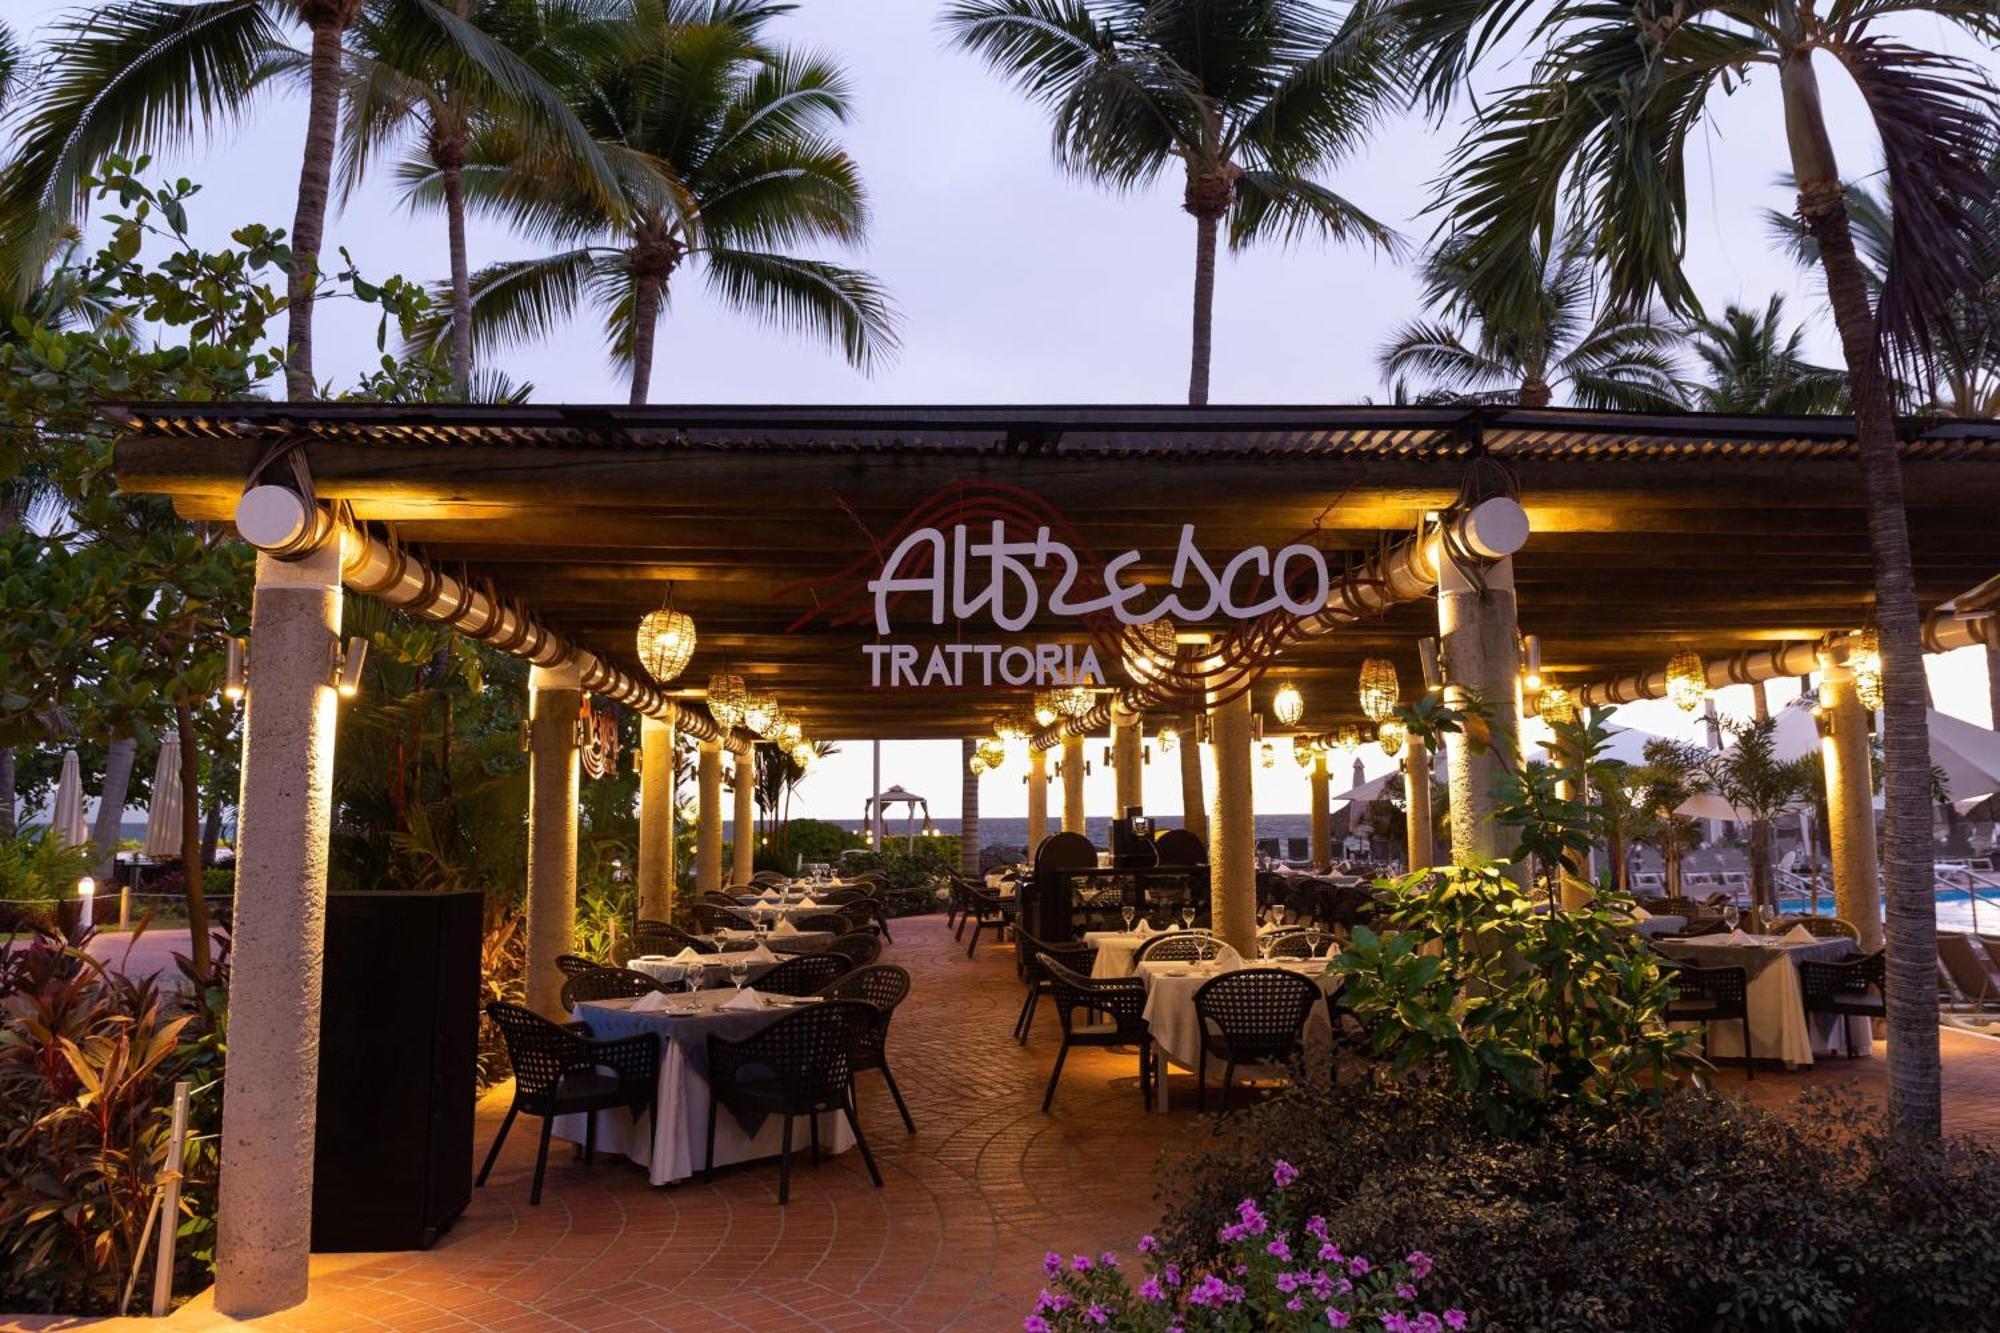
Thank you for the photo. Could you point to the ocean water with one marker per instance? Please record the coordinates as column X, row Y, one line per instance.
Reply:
column 1014, row 832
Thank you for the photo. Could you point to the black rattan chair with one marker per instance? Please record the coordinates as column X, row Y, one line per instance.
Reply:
column 561, row 1072
column 659, row 937
column 605, row 983
column 712, row 917
column 956, row 897
column 835, row 897
column 1302, row 943
column 1078, row 957
column 1178, row 946
column 1824, row 927
column 1709, row 995
column 883, row 985
column 721, row 897
column 833, row 923
column 570, row 965
column 866, row 914
column 1254, row 1016
column 859, row 947
column 1121, row 1001
column 801, row 1065
column 986, row 910
column 1851, row 988
column 804, row 974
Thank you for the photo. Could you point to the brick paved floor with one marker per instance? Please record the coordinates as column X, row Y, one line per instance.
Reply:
column 954, row 1240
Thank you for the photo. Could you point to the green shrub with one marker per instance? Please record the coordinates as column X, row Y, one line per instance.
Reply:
column 916, row 874
column 1697, row 1213
column 37, row 866
column 805, row 841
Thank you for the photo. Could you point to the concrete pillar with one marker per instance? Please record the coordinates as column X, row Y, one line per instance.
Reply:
column 1417, row 817
column 1128, row 760
column 1322, row 812
column 281, row 851
column 1194, row 810
column 708, row 819
column 1993, row 683
column 554, row 700
column 1038, row 798
column 743, row 839
column 968, row 810
column 1576, row 888
column 657, row 872
column 1760, row 702
column 1072, row 783
column 1481, row 652
column 1232, row 825
column 1857, row 886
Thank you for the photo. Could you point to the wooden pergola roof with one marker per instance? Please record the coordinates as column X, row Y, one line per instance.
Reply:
column 1720, row 532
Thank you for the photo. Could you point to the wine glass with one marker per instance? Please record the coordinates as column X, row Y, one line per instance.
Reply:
column 739, row 972
column 1731, row 915
column 1187, row 917
column 1131, row 914
column 691, row 980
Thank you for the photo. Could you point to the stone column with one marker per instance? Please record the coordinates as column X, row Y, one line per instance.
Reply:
column 708, row 819
column 1322, row 813
column 743, row 841
column 554, row 700
column 1194, row 810
column 1128, row 760
column 1417, row 817
column 1993, row 681
column 656, row 819
column 1072, row 783
column 1576, row 888
column 1232, row 826
column 1481, row 653
column 281, row 851
column 1857, row 886
column 1038, row 798
column 968, row 810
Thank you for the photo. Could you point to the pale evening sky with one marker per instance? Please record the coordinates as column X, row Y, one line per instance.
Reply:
column 1017, row 284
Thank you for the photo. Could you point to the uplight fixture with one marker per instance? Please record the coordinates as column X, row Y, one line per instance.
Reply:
column 1381, row 689
column 1531, row 657
column 1687, row 679
column 1288, row 705
column 347, row 667
column 666, row 641
column 235, row 675
column 1432, row 663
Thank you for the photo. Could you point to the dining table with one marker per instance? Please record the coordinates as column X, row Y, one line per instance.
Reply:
column 778, row 939
column 1779, row 1025
column 1176, row 1028
column 1117, row 948
column 713, row 968
column 669, row 1140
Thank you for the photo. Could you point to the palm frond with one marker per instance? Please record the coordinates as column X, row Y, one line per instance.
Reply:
column 844, row 307
column 1329, row 98
column 795, row 190
column 1273, row 204
column 1439, row 354
column 518, row 301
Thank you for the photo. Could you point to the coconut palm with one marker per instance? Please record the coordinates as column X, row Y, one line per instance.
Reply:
column 1480, row 350
column 1753, row 363
column 722, row 146
column 421, row 78
column 1751, row 778
column 1598, row 131
column 1250, row 98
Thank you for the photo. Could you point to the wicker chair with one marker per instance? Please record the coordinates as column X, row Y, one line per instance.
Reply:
column 957, row 895
column 1671, row 906
column 720, row 897
column 859, row 947
column 1302, row 943
column 712, row 917
column 986, row 910
column 883, row 985
column 605, row 983
column 804, row 974
column 659, row 937
column 1178, row 946
column 572, row 966
column 1122, row 1002
column 561, row 1072
column 801, row 1065
column 1713, row 925
column 833, row 923
column 1709, row 995
column 835, row 897
column 1254, row 1016
column 1078, row 957
column 866, row 913
column 1852, row 987
column 768, row 877
column 1824, row 927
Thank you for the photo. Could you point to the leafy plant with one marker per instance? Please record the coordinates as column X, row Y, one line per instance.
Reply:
column 38, row 866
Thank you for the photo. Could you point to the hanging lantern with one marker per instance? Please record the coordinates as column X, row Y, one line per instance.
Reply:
column 1269, row 753
column 1381, row 691
column 1073, row 701
column 1556, row 704
column 1012, row 726
column 666, row 641
column 1864, row 659
column 725, row 699
column 1167, row 738
column 1687, row 679
column 993, row 751
column 1390, row 735
column 790, row 731
column 1150, row 650
column 1046, row 711
column 760, row 710
column 1349, row 737
column 1302, row 753
column 976, row 765
column 803, row 754
column 1288, row 705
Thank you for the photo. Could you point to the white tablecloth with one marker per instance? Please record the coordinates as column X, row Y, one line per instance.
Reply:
column 669, row 1143
column 1115, row 948
column 715, row 969
column 1778, row 1026
column 1176, row 1030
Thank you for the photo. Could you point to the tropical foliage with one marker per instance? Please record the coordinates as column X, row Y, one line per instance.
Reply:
column 1751, row 362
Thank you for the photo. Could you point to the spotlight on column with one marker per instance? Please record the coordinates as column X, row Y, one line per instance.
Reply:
column 1531, row 678
column 347, row 674
column 1427, row 654
column 235, row 674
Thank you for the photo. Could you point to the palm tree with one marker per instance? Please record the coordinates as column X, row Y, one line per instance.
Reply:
column 1753, row 363
column 1659, row 787
column 423, row 76
column 1598, row 131
column 721, row 144
column 1750, row 776
column 1250, row 98
column 1523, row 353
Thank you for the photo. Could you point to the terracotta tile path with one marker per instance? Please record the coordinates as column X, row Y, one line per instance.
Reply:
column 954, row 1241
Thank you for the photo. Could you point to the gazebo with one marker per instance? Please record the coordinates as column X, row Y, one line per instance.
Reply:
column 875, row 811
column 912, row 572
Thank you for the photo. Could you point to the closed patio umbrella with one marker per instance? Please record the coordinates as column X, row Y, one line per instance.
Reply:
column 66, row 819
column 163, row 814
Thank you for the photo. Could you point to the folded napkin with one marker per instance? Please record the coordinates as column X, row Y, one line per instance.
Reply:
column 806, row 904
column 769, row 896
column 1737, row 937
column 747, row 998
column 652, row 958
column 1799, row 935
column 784, row 927
column 1143, row 929
column 687, row 955
column 652, row 1002
column 1227, row 961
column 1640, row 914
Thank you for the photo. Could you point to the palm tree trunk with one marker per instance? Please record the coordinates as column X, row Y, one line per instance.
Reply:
column 453, row 179
column 646, row 294
column 1915, row 1096
column 1205, row 229
column 118, row 760
column 968, row 810
column 191, row 885
column 1763, row 893
column 7, row 791
column 211, row 833
column 328, row 20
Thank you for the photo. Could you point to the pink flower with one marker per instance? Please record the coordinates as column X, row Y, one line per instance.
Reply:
column 1454, row 1319
column 1080, row 1264
column 1052, row 1263
column 1283, row 1173
column 1034, row 1323
column 1358, row 1266
column 1107, row 1260
column 1150, row 1290
column 1147, row 1245
column 1337, row 1318
column 1278, row 1249
column 1406, row 1291
column 1099, row 1314
column 1420, row 1264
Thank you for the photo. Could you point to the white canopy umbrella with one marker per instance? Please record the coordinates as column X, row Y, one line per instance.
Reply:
column 66, row 819
column 1968, row 754
column 876, row 807
column 163, row 814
